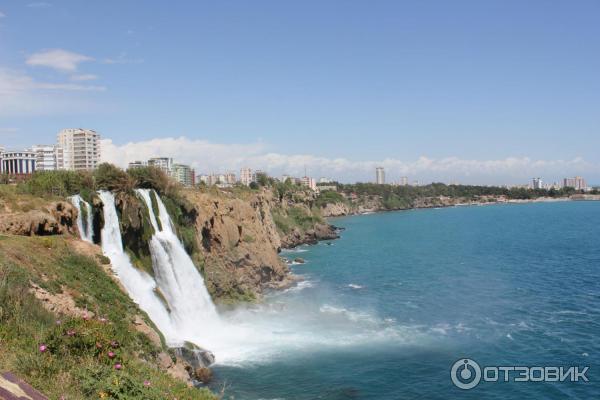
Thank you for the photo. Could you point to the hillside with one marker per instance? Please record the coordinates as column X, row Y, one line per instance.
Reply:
column 69, row 330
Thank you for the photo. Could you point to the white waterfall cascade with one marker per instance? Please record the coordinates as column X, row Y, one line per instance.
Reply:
column 139, row 284
column 193, row 313
column 86, row 227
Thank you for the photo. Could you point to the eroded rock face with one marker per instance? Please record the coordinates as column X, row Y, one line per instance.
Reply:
column 239, row 244
column 319, row 232
column 335, row 210
column 56, row 218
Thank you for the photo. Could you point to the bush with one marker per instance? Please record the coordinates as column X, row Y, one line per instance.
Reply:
column 58, row 183
column 151, row 178
column 113, row 178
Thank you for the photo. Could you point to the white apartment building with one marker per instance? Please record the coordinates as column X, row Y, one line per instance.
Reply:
column 136, row 164
column 164, row 163
column 1, row 163
column 81, row 148
column 183, row 174
column 379, row 175
column 247, row 176
column 404, row 181
column 576, row 182
column 48, row 157
column 537, row 183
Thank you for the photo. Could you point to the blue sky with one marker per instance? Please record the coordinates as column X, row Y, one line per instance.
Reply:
column 474, row 91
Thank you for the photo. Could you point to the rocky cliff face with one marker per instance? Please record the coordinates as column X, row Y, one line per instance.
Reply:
column 335, row 210
column 55, row 218
column 234, row 239
column 238, row 242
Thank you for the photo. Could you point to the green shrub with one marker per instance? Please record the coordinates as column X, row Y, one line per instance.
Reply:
column 151, row 178
column 111, row 177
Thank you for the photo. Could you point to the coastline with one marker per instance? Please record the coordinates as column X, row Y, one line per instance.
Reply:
column 356, row 212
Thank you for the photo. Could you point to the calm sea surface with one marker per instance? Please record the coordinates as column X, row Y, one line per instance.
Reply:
column 386, row 310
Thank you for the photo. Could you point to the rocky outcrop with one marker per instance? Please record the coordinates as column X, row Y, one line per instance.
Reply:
column 238, row 244
column 298, row 237
column 335, row 210
column 56, row 218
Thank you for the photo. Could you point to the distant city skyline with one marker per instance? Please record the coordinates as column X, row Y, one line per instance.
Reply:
column 474, row 92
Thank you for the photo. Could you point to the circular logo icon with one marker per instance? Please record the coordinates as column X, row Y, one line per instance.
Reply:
column 465, row 374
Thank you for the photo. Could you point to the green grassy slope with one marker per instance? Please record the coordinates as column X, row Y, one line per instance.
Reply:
column 75, row 363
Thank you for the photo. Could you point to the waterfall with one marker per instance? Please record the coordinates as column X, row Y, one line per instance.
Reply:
column 86, row 227
column 175, row 299
column 139, row 284
column 192, row 310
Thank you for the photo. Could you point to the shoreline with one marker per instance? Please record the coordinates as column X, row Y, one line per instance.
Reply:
column 471, row 204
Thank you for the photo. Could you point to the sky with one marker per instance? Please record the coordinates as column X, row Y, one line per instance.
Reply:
column 485, row 92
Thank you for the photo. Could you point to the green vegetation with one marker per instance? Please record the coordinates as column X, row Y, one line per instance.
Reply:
column 329, row 197
column 69, row 356
column 295, row 217
column 440, row 189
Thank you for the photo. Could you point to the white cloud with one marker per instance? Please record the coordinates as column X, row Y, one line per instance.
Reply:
column 84, row 77
column 205, row 156
column 59, row 59
column 20, row 95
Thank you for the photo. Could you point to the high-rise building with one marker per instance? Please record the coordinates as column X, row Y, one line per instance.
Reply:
column 246, row 176
column 576, row 182
column 48, row 157
column 81, row 148
column 537, row 183
column 163, row 163
column 404, row 181
column 183, row 174
column 16, row 163
column 379, row 175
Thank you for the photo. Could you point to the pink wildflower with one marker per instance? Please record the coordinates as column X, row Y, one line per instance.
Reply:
column 43, row 348
column 118, row 366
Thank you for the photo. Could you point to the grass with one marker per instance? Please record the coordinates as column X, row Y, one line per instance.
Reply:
column 77, row 365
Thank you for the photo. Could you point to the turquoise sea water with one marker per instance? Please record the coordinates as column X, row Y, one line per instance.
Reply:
column 403, row 295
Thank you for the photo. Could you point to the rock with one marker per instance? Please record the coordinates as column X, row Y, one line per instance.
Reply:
column 141, row 326
column 335, row 210
column 56, row 218
column 194, row 355
column 299, row 260
column 239, row 243
column 203, row 375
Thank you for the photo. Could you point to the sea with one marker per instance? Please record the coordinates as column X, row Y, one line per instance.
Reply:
column 387, row 310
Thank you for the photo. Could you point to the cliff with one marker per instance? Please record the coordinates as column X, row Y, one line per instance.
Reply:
column 237, row 244
column 233, row 237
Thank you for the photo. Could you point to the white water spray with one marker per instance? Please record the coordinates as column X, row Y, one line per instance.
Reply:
column 86, row 227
